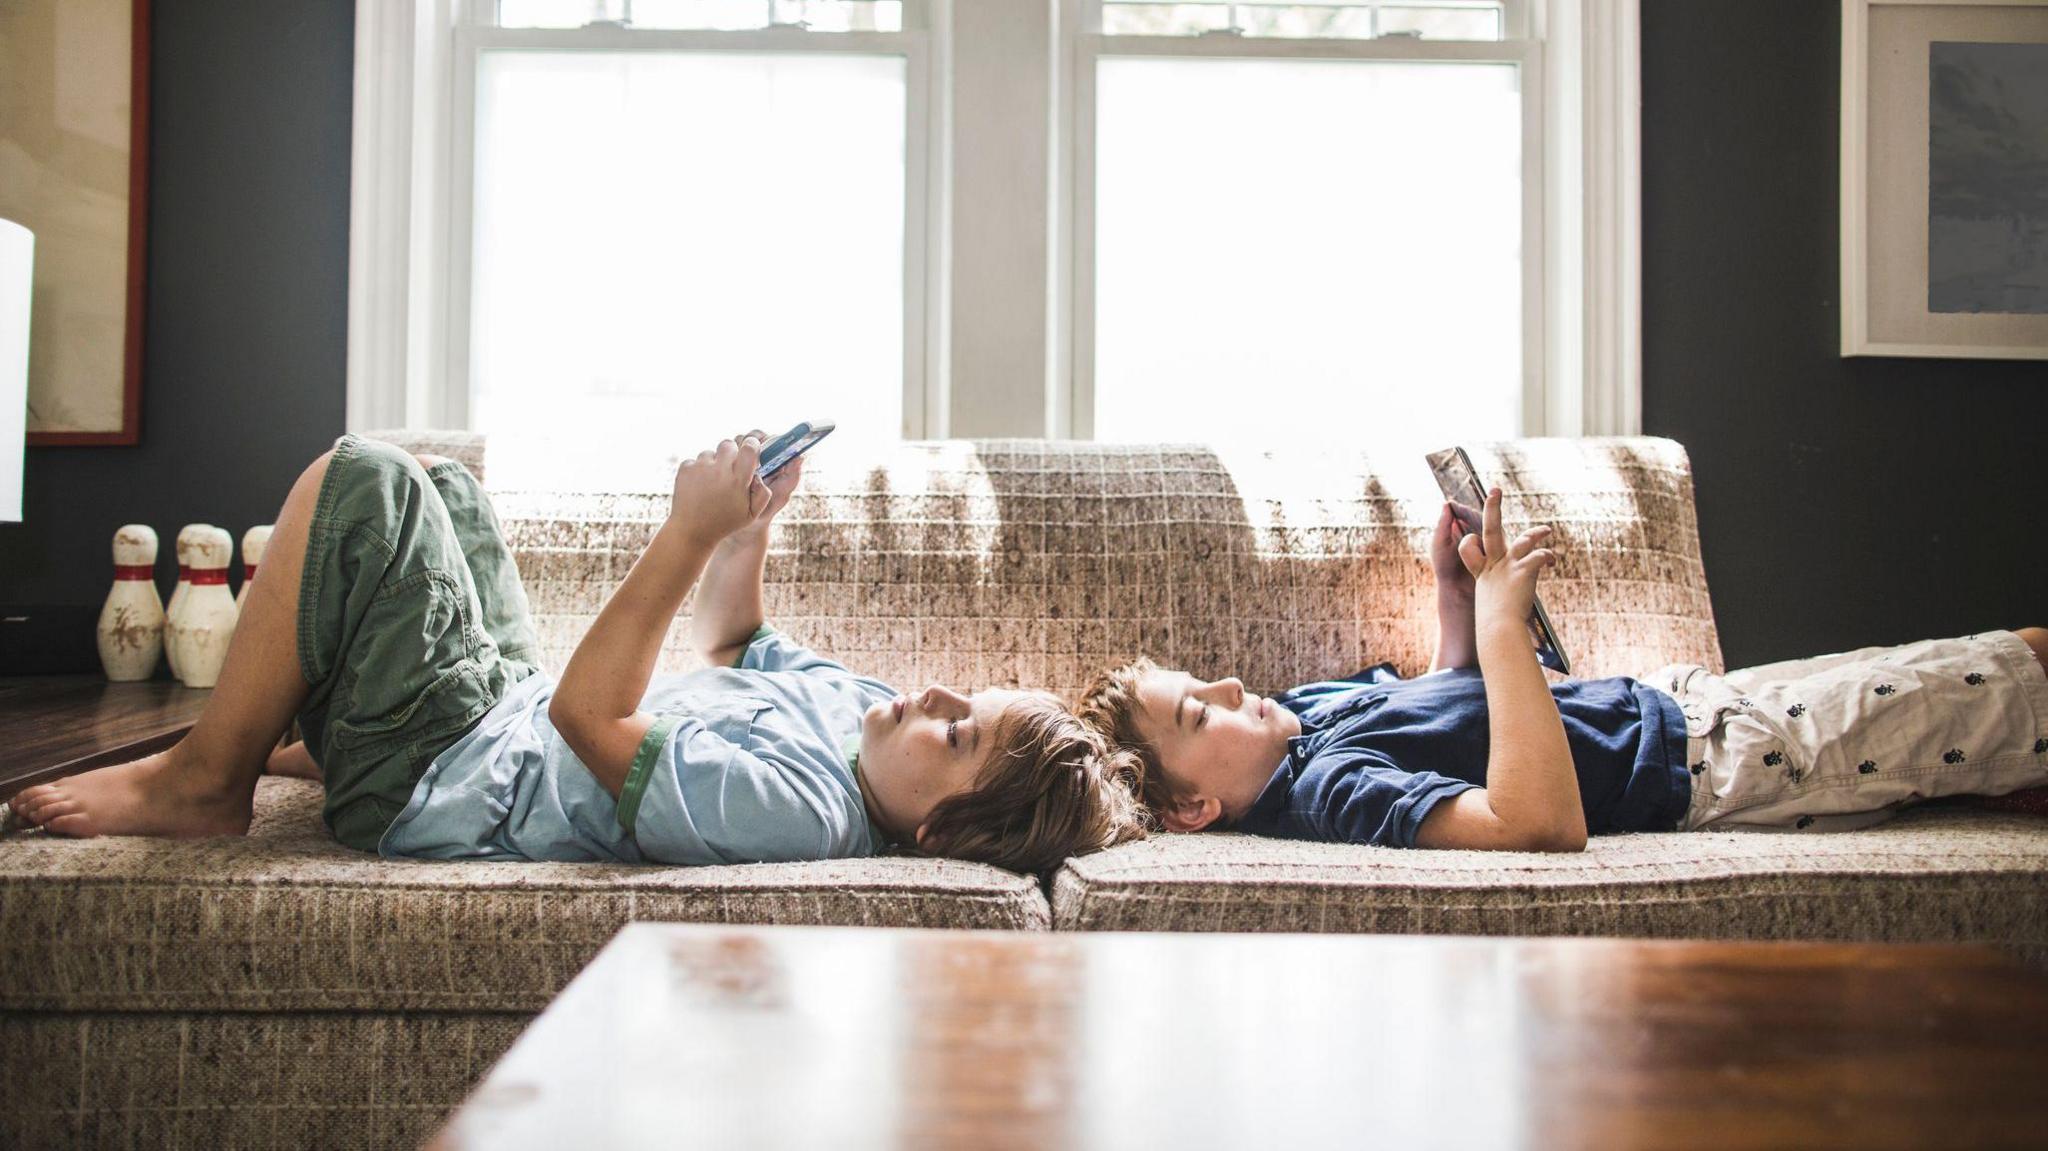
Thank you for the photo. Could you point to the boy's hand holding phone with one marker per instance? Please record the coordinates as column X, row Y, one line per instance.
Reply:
column 717, row 493
column 1504, row 575
column 779, row 486
column 1452, row 580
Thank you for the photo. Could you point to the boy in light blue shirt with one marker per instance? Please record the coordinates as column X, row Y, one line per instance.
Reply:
column 389, row 620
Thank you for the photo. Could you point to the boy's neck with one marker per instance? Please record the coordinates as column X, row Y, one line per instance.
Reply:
column 867, row 798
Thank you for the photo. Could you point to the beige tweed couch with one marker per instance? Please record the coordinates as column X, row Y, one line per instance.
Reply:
column 280, row 989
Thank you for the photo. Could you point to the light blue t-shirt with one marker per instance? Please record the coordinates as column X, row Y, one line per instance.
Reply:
column 743, row 764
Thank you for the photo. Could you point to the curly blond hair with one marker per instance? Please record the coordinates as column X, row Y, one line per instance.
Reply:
column 1110, row 707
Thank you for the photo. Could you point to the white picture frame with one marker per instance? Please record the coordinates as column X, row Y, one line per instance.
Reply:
column 1897, row 137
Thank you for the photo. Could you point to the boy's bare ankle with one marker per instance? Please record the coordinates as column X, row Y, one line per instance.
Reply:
column 196, row 773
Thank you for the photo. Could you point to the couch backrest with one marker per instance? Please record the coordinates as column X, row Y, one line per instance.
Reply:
column 1038, row 562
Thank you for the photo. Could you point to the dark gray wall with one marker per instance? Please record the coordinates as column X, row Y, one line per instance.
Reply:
column 247, row 308
column 1841, row 502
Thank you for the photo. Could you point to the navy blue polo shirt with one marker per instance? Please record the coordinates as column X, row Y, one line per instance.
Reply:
column 1376, row 753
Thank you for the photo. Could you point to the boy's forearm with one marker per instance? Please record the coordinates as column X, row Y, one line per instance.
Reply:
column 1456, row 640
column 728, row 610
column 1530, row 782
column 608, row 674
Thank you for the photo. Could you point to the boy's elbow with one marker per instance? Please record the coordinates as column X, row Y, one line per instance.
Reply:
column 727, row 655
column 564, row 718
column 1569, row 837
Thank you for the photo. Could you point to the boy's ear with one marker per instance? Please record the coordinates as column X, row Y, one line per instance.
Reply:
column 1191, row 813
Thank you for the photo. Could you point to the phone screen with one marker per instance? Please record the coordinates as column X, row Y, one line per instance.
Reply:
column 791, row 444
column 1462, row 490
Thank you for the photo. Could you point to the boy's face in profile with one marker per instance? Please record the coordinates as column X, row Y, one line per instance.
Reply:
column 916, row 750
column 1217, row 744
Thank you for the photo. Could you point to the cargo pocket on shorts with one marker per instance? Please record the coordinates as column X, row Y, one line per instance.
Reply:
column 445, row 708
column 1751, row 757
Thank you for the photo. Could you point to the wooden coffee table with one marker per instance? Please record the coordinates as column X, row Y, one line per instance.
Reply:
column 848, row 1037
column 57, row 725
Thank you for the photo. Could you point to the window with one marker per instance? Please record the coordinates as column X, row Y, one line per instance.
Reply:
column 1005, row 217
column 639, row 225
column 697, row 242
column 1314, row 238
column 688, row 218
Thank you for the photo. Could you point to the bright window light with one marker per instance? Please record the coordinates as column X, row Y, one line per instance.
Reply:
column 812, row 15
column 670, row 247
column 1319, row 251
column 1305, row 20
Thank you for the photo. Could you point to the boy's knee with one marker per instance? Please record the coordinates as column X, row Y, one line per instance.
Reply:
column 2037, row 638
column 431, row 462
column 316, row 471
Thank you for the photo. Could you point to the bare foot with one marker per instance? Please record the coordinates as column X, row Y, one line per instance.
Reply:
column 148, row 796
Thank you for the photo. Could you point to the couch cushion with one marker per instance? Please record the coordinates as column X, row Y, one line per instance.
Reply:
column 285, row 919
column 1939, row 873
column 1037, row 562
column 299, row 1080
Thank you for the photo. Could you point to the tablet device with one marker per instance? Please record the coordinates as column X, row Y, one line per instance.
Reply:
column 777, row 453
column 1460, row 483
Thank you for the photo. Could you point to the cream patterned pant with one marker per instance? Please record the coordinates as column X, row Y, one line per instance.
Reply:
column 1846, row 740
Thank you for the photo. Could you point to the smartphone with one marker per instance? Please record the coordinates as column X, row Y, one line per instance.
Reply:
column 777, row 453
column 1467, row 496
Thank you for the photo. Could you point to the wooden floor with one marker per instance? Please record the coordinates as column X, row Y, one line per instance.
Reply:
column 843, row 1037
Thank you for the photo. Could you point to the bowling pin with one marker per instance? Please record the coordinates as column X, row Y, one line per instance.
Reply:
column 188, row 536
column 201, row 632
column 253, row 542
column 131, row 628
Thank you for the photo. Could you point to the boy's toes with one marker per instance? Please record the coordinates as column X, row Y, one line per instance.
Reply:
column 24, row 805
column 35, row 801
column 74, row 824
column 45, row 803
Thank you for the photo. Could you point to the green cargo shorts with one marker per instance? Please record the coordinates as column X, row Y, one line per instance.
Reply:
column 412, row 624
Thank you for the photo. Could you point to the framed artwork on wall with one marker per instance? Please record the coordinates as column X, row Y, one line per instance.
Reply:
column 1945, row 178
column 74, row 170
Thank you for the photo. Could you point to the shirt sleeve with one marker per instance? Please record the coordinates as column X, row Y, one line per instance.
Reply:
column 694, row 797
column 770, row 650
column 1358, row 795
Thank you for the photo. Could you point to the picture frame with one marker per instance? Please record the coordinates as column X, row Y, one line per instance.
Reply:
column 1944, row 245
column 74, row 170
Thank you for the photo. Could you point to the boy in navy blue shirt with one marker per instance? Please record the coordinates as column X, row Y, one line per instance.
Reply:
column 1483, row 752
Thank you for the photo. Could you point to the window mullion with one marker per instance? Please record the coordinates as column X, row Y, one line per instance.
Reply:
column 1076, row 336
column 1001, row 155
column 451, row 263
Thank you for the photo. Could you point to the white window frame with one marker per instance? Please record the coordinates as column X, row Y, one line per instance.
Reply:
column 995, row 239
column 412, row 219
